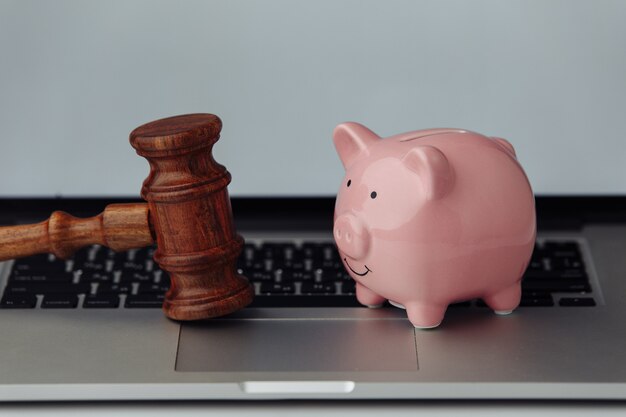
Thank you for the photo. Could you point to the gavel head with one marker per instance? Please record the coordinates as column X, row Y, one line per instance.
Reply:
column 191, row 216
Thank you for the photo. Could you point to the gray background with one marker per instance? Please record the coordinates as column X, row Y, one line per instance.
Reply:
column 77, row 76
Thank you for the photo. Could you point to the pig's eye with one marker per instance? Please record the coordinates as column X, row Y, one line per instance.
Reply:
column 373, row 195
column 349, row 182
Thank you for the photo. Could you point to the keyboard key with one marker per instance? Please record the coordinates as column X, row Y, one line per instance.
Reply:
column 566, row 264
column 60, row 301
column 163, row 279
column 277, row 288
column 536, row 302
column 565, row 249
column 50, row 277
column 535, row 265
column 29, row 266
column 547, row 275
column 294, row 276
column 577, row 302
column 331, row 264
column 134, row 276
column 329, row 252
column 109, row 288
column 91, row 267
column 18, row 301
column 329, row 274
column 88, row 276
column 152, row 289
column 47, row 288
column 278, row 251
column 255, row 266
column 259, row 276
column 348, row 287
column 145, row 253
column 536, row 294
column 293, row 265
column 102, row 301
column 312, row 251
column 144, row 301
column 557, row 285
column 130, row 266
column 249, row 252
column 318, row 288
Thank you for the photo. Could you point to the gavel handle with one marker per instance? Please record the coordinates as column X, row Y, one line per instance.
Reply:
column 119, row 227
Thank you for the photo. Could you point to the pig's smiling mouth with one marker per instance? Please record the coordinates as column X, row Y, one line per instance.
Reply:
column 361, row 274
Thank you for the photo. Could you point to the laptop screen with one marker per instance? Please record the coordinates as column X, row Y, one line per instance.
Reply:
column 77, row 77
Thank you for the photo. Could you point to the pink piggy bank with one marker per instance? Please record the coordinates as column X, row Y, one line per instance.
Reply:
column 433, row 217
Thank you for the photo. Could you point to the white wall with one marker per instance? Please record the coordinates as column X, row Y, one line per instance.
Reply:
column 77, row 76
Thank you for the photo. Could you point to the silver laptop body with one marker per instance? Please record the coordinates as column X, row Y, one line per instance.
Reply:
column 552, row 352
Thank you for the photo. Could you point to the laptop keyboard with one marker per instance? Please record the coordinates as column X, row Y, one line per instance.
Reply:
column 283, row 274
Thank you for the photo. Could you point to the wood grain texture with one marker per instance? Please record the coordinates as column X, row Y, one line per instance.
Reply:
column 192, row 217
column 119, row 226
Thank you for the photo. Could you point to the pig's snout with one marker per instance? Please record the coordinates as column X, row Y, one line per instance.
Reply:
column 351, row 236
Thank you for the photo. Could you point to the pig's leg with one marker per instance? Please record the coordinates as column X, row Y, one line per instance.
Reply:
column 368, row 297
column 425, row 316
column 505, row 301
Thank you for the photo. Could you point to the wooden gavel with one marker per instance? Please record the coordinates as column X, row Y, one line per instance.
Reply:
column 188, row 212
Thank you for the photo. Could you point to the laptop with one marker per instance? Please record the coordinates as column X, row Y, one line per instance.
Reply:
column 281, row 76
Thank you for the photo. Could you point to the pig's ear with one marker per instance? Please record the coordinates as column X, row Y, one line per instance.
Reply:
column 506, row 145
column 352, row 141
column 433, row 169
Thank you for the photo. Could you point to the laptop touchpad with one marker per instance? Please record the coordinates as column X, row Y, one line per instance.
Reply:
column 248, row 345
